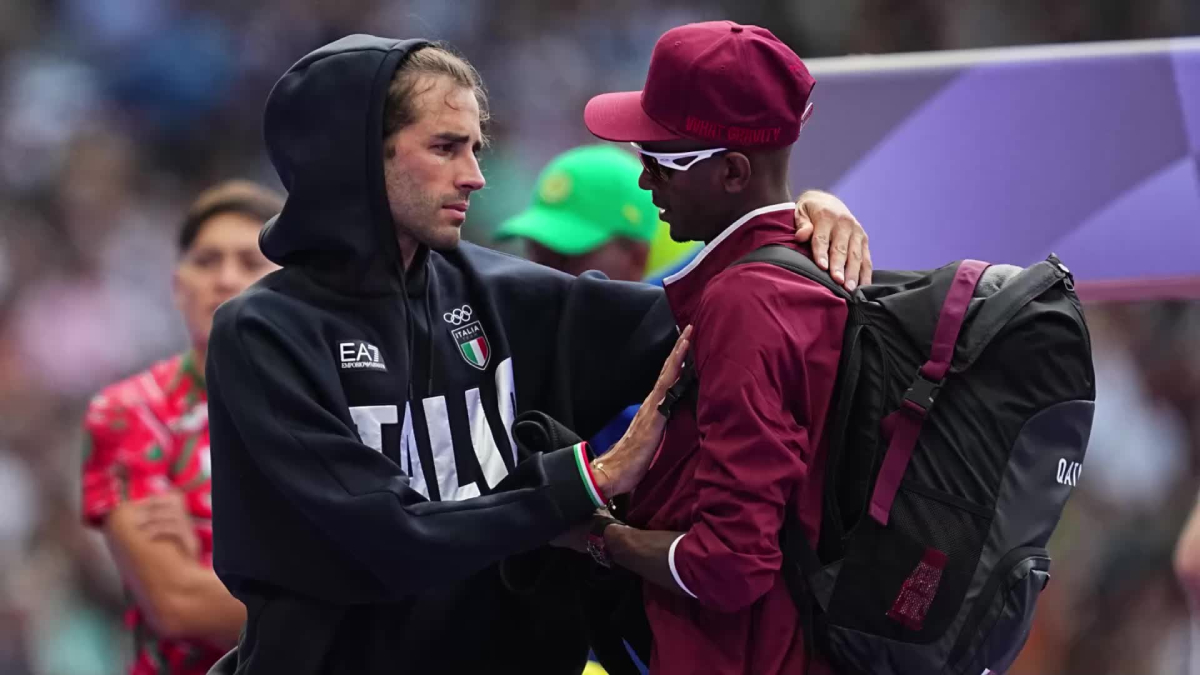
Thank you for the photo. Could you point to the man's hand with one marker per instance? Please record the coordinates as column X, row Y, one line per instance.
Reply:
column 620, row 469
column 576, row 537
column 166, row 516
column 839, row 243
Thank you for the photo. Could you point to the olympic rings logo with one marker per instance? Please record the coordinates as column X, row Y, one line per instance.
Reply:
column 458, row 317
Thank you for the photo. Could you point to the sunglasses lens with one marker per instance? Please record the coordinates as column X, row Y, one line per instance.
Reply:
column 656, row 170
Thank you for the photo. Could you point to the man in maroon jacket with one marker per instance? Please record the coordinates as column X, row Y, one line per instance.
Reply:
column 721, row 108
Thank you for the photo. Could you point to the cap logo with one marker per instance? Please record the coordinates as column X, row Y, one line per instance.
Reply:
column 733, row 135
column 555, row 188
column 747, row 136
column 704, row 128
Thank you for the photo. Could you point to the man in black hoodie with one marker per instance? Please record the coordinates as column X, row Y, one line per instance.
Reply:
column 368, row 478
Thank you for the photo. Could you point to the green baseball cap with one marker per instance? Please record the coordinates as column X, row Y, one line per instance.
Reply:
column 583, row 199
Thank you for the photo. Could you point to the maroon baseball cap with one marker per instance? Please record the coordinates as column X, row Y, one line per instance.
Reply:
column 718, row 82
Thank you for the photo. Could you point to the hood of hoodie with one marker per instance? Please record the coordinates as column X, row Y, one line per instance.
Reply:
column 323, row 126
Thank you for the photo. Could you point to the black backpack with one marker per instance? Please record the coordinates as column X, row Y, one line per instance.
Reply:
column 962, row 413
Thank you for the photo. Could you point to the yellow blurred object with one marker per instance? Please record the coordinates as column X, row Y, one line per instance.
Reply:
column 593, row 668
column 666, row 252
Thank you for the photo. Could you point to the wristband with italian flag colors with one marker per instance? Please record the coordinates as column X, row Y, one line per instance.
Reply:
column 584, row 464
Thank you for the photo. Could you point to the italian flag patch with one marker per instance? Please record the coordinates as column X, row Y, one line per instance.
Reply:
column 473, row 344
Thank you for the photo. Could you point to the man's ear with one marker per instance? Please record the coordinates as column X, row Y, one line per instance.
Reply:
column 736, row 172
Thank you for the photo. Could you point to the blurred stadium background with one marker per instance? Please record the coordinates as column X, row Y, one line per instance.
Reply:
column 115, row 113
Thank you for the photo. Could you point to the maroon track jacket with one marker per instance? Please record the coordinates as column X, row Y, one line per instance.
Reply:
column 766, row 345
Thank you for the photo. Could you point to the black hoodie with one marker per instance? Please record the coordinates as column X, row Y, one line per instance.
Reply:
column 365, row 481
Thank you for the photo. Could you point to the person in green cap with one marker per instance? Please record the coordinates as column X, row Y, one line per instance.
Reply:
column 588, row 213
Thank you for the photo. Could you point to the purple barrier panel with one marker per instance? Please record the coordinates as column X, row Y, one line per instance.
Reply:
column 1088, row 151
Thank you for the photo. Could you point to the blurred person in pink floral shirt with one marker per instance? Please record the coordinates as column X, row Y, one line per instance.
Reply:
column 146, row 462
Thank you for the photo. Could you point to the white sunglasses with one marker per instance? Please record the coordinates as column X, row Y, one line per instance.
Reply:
column 655, row 162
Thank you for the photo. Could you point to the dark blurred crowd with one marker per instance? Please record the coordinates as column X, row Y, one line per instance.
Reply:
column 115, row 113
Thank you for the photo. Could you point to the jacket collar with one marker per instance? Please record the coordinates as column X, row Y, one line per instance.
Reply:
column 761, row 226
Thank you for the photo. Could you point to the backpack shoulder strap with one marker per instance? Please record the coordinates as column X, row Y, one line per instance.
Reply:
column 775, row 254
column 802, row 565
column 791, row 259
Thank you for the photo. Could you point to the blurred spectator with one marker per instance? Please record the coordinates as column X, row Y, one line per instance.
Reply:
column 588, row 213
column 146, row 462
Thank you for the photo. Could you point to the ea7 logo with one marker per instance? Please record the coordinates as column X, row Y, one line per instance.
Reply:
column 1068, row 472
column 357, row 354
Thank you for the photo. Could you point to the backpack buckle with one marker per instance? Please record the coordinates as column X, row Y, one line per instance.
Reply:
column 678, row 390
column 668, row 403
column 922, row 391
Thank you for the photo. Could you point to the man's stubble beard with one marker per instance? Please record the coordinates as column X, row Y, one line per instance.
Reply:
column 418, row 217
